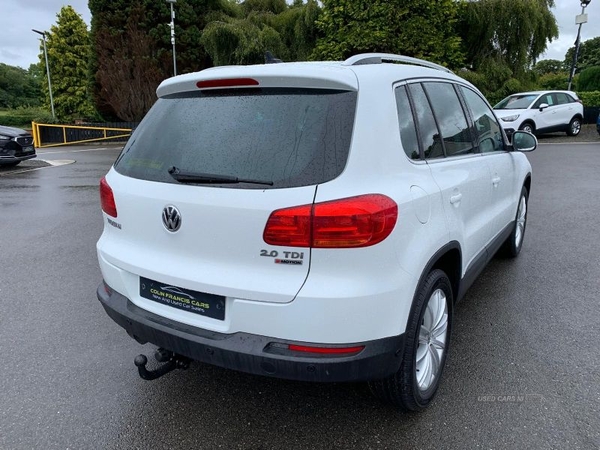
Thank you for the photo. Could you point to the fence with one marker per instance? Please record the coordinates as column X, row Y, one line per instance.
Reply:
column 49, row 135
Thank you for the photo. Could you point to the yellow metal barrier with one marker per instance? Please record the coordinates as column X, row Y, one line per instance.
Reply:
column 37, row 140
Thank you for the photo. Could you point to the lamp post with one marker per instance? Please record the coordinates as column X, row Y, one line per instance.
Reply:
column 172, row 2
column 43, row 34
column 580, row 20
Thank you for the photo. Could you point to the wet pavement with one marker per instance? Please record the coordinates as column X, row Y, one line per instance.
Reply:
column 523, row 370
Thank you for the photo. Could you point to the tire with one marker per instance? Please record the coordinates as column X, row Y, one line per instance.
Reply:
column 528, row 126
column 574, row 126
column 513, row 244
column 413, row 388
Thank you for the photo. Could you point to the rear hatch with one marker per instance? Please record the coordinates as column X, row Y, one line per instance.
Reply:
column 225, row 159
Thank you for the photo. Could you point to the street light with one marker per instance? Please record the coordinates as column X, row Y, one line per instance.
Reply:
column 579, row 19
column 172, row 2
column 43, row 34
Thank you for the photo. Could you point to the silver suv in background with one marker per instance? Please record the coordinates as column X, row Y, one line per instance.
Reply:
column 541, row 112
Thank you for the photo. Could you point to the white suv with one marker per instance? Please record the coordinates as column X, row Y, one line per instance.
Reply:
column 310, row 221
column 541, row 112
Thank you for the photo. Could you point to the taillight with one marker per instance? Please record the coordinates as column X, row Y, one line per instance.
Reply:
column 351, row 222
column 107, row 199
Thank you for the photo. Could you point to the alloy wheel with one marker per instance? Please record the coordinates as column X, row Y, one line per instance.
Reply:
column 432, row 340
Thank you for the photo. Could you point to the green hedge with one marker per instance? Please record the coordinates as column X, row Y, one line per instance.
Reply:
column 590, row 98
column 22, row 117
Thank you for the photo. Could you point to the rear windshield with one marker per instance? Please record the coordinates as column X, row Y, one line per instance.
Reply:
column 290, row 137
column 516, row 102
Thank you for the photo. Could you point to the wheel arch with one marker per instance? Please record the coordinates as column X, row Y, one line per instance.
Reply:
column 527, row 183
column 449, row 259
column 530, row 121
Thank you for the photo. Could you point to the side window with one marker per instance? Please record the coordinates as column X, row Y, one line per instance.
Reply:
column 489, row 134
column 546, row 98
column 406, row 122
column 428, row 131
column 450, row 118
column 561, row 98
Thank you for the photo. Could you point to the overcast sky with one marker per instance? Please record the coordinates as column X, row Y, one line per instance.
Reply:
column 19, row 46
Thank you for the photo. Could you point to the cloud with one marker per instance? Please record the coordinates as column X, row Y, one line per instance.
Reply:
column 565, row 12
column 19, row 46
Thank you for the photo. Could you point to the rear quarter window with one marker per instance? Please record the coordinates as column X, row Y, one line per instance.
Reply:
column 292, row 137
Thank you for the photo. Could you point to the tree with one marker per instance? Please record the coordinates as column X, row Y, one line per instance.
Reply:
column 287, row 31
column 589, row 79
column 422, row 29
column 589, row 55
column 512, row 32
column 18, row 87
column 547, row 66
column 126, row 71
column 68, row 57
column 116, row 22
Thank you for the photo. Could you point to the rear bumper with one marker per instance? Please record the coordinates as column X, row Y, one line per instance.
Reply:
column 251, row 353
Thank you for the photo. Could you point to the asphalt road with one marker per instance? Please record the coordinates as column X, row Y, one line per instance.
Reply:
column 523, row 370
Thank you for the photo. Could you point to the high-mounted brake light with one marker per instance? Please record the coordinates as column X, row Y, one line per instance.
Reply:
column 351, row 222
column 107, row 199
column 325, row 350
column 227, row 82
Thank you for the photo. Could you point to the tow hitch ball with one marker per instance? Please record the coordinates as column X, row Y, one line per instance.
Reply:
column 171, row 362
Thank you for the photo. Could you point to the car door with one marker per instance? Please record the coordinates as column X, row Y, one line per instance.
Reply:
column 460, row 173
column 565, row 109
column 500, row 161
column 545, row 118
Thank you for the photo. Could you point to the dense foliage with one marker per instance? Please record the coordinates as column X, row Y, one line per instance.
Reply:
column 18, row 87
column 589, row 55
column 502, row 39
column 410, row 27
column 589, row 79
column 133, row 52
column 288, row 32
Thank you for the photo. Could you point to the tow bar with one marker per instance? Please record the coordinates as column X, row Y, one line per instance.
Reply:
column 171, row 362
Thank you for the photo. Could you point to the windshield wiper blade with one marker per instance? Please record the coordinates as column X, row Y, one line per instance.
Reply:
column 210, row 178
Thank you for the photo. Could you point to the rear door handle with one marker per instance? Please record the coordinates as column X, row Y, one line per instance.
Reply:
column 455, row 198
column 496, row 181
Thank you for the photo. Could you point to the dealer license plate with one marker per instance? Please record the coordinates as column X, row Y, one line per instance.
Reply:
column 185, row 299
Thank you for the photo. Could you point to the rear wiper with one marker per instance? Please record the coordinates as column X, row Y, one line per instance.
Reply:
column 210, row 178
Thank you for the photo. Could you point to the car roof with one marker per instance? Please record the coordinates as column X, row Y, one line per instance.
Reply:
column 345, row 75
column 543, row 92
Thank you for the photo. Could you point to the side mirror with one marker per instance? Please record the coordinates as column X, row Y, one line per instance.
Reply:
column 543, row 106
column 522, row 141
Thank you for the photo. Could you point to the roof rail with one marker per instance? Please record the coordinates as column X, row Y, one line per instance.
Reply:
column 378, row 58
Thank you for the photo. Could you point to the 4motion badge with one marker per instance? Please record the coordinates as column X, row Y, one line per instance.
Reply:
column 289, row 258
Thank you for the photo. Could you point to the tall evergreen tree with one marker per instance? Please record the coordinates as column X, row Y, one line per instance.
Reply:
column 69, row 50
column 132, row 47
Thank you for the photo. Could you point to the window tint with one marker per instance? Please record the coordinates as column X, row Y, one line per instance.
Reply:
column 292, row 137
column 450, row 118
column 561, row 98
column 428, row 132
column 489, row 134
column 406, row 122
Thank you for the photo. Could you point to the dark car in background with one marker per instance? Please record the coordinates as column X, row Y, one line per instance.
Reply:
column 16, row 145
